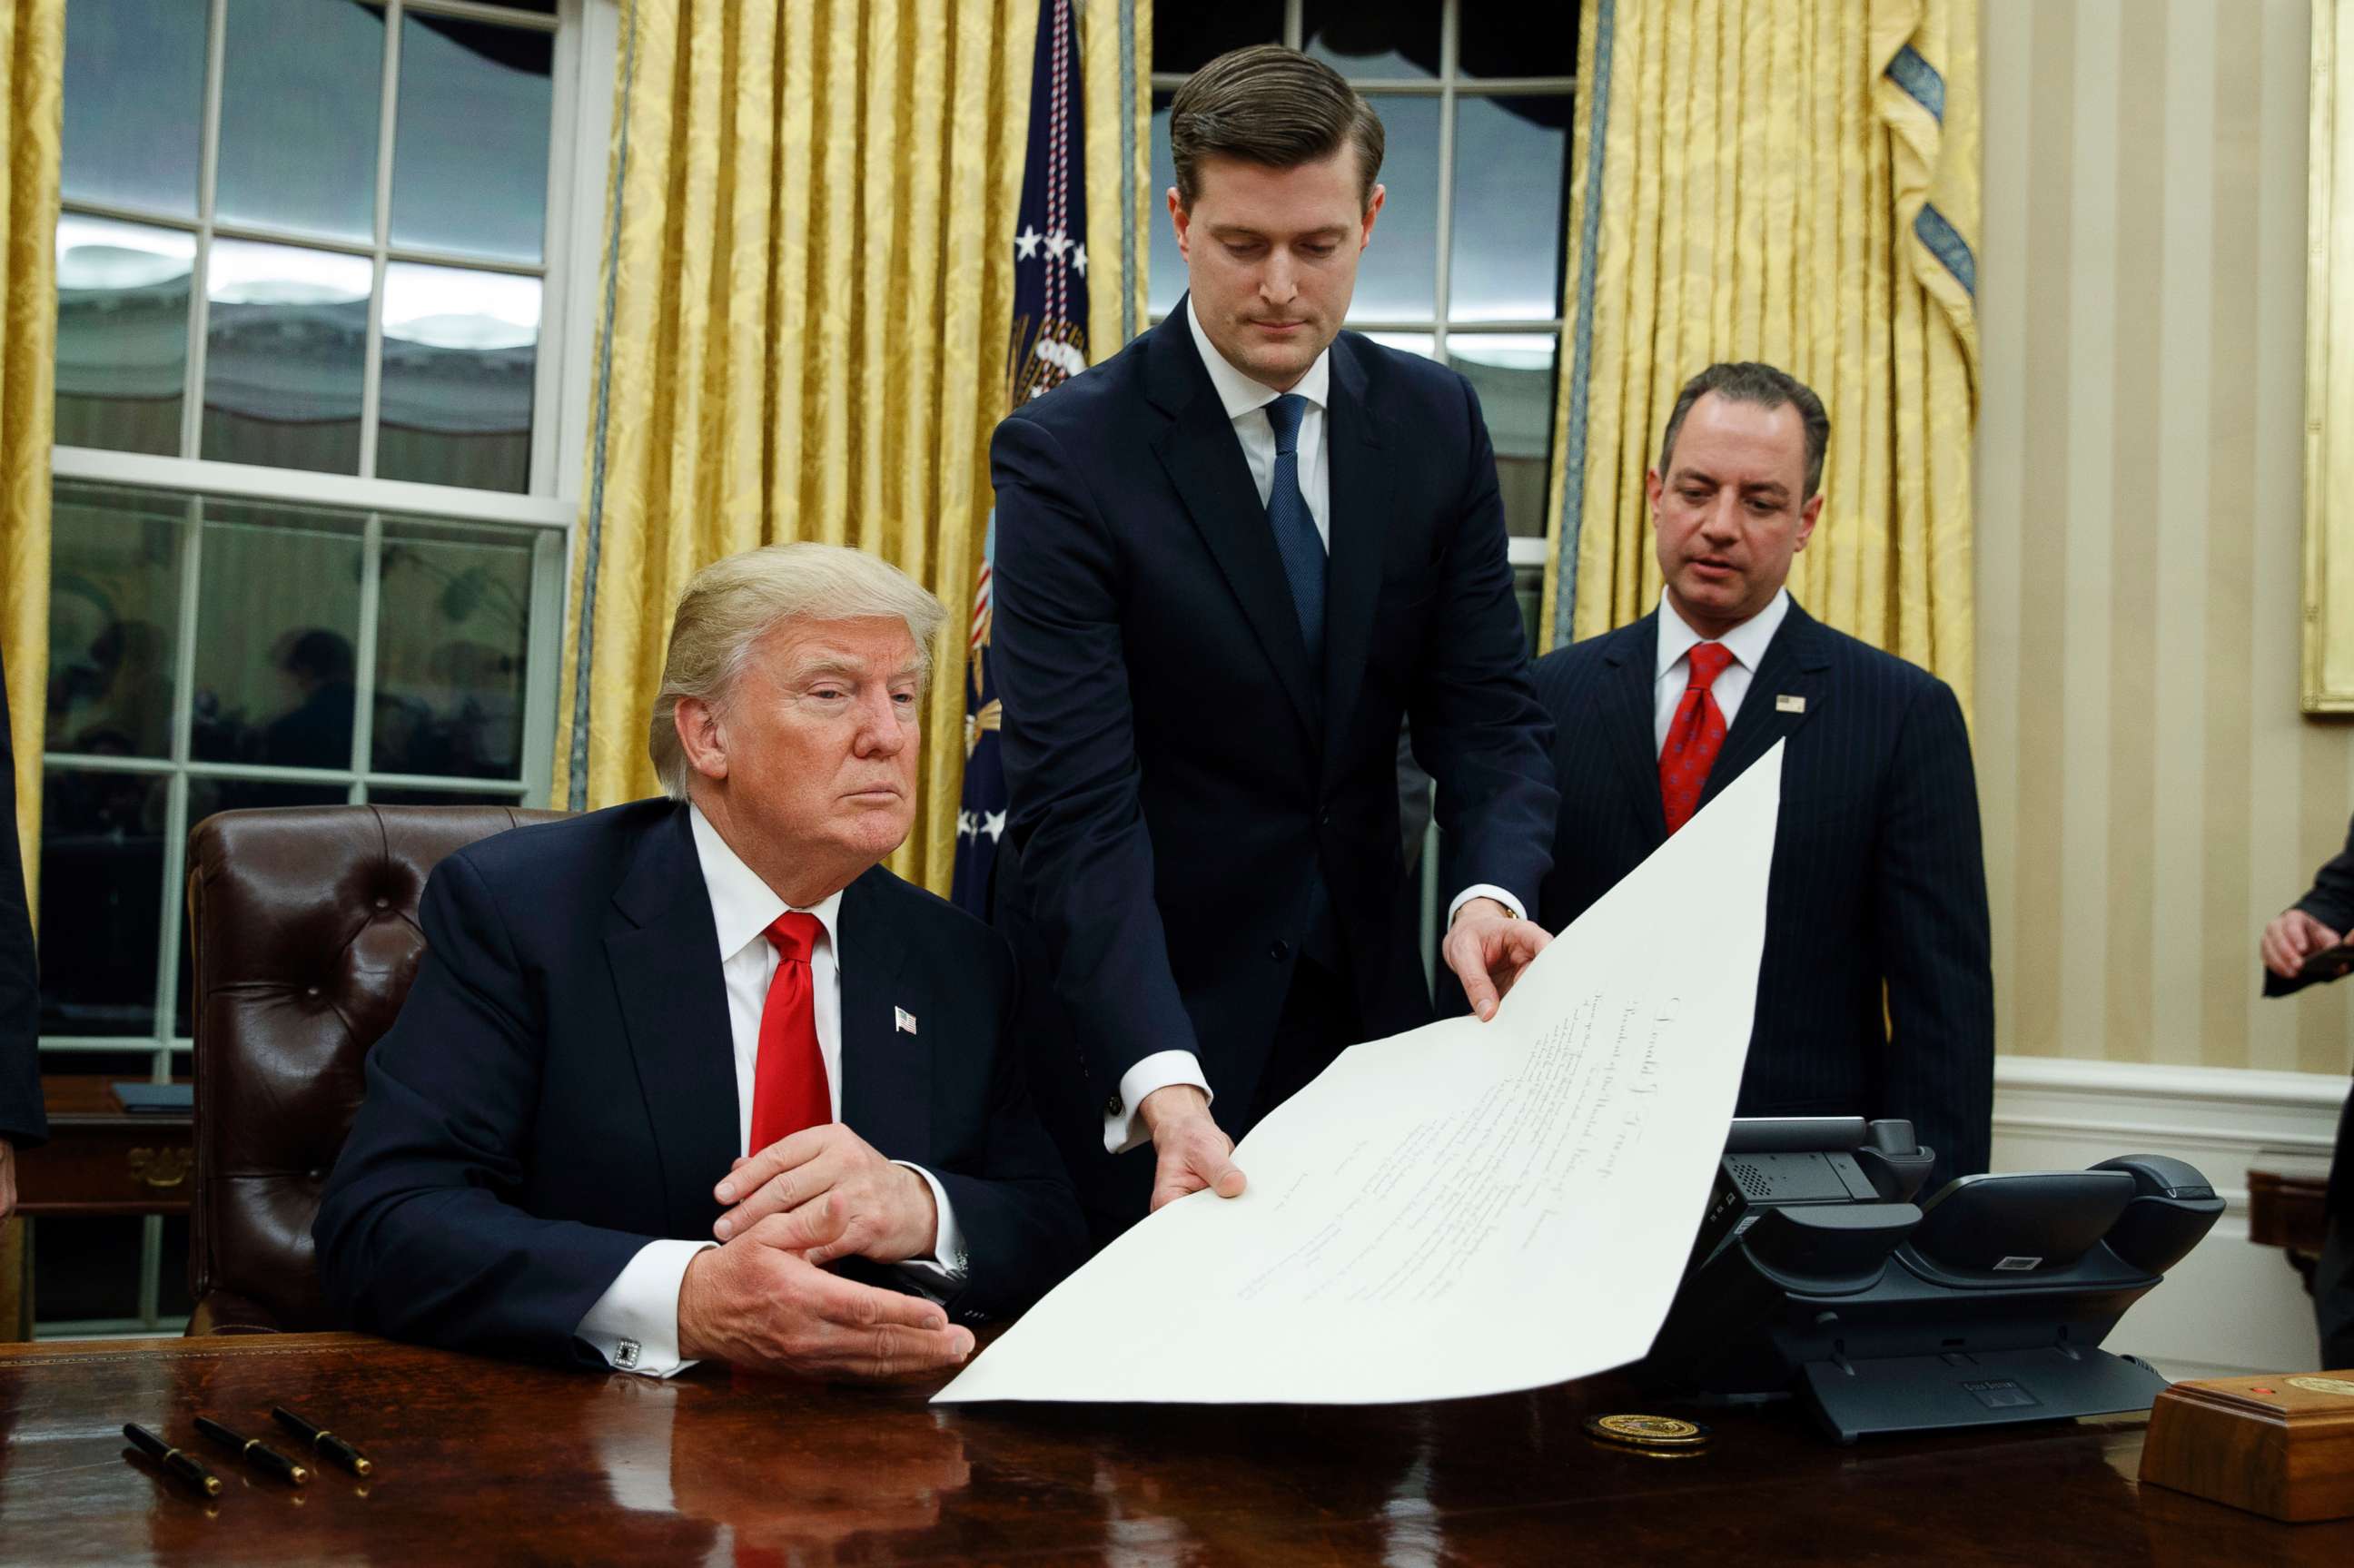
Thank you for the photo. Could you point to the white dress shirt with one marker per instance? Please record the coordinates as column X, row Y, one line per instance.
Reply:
column 1246, row 403
column 1746, row 642
column 634, row 1325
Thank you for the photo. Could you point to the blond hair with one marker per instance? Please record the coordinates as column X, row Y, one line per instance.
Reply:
column 731, row 604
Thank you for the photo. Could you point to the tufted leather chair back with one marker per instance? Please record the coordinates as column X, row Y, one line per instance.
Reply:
column 304, row 940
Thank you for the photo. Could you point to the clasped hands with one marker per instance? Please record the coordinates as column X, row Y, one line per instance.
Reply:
column 1486, row 946
column 2293, row 937
column 763, row 1297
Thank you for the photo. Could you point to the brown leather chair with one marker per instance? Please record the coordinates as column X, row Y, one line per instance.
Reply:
column 304, row 941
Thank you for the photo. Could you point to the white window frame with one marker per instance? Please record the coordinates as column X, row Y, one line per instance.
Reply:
column 586, row 38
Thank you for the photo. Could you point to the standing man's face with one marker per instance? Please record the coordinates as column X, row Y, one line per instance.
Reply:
column 1271, row 258
column 1732, row 510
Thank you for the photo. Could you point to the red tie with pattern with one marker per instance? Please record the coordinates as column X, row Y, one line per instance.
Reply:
column 789, row 1084
column 1694, row 738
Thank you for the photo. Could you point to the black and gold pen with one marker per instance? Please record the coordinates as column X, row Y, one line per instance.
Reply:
column 255, row 1450
column 322, row 1441
column 171, row 1459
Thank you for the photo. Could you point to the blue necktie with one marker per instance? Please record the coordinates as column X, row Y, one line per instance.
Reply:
column 1296, row 539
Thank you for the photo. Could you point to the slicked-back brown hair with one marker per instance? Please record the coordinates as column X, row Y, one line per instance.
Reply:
column 1274, row 107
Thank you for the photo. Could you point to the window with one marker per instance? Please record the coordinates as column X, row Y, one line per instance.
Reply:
column 1465, row 264
column 318, row 435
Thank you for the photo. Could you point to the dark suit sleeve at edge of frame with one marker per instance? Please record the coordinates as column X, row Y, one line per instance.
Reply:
column 1069, row 747
column 417, row 1238
column 1478, row 728
column 22, row 1121
column 1020, row 1215
column 2331, row 900
column 1934, row 949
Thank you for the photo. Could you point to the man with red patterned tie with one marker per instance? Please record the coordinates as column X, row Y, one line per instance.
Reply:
column 696, row 1078
column 1875, row 996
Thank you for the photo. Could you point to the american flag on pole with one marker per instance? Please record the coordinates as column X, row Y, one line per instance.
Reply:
column 1050, row 346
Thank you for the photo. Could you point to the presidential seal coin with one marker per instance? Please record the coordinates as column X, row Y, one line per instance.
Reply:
column 1649, row 1431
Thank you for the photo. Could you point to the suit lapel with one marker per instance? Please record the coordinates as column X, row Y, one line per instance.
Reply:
column 1359, row 487
column 1628, row 714
column 1206, row 463
column 664, row 951
column 886, row 1071
column 1795, row 665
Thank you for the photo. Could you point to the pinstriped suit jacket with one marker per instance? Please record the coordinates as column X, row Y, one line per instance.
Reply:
column 1879, row 877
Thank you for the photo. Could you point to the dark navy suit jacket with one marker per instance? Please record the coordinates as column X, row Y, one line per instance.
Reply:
column 1178, row 768
column 1878, row 878
column 2331, row 900
column 559, row 1089
column 22, row 1119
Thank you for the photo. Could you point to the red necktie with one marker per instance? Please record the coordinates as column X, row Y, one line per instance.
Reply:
column 1694, row 738
column 789, row 1084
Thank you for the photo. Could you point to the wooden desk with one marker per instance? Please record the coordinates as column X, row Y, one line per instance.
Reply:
column 100, row 1160
column 482, row 1462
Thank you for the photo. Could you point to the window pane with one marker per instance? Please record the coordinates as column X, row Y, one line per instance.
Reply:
column 134, row 93
column 102, row 900
column 1422, row 343
column 1509, row 155
column 451, row 640
column 285, row 348
column 1516, row 41
column 278, row 618
column 1389, row 38
column 1165, row 282
column 1513, row 373
column 469, row 150
column 114, row 617
column 459, row 351
column 302, row 93
column 1397, row 276
column 122, row 333
column 1187, row 37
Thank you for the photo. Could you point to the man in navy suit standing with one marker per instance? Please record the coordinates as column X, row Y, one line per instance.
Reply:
column 1228, row 561
column 1875, row 995
column 672, row 1070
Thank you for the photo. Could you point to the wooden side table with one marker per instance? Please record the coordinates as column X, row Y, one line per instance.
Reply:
column 100, row 1160
column 2284, row 1208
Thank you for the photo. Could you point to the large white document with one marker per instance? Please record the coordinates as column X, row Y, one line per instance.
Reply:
column 1465, row 1208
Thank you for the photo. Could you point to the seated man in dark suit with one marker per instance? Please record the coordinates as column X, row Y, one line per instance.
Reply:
column 714, row 1014
column 1875, row 996
column 2320, row 920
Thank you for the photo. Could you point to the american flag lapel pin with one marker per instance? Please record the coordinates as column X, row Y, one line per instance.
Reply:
column 902, row 1020
column 1786, row 704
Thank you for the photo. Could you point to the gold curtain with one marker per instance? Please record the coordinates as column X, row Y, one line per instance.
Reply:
column 1795, row 180
column 33, row 46
column 809, row 295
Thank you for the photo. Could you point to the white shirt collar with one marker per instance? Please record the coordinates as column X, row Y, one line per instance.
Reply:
column 1239, row 392
column 742, row 906
column 1746, row 642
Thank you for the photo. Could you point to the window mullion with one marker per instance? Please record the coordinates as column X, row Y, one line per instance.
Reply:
column 1441, row 280
column 167, row 965
column 191, row 407
column 372, row 369
column 565, row 152
column 1295, row 25
column 363, row 680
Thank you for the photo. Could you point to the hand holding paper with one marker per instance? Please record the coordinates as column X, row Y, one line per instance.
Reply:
column 1464, row 1209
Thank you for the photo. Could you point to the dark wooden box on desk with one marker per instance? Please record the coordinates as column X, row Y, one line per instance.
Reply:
column 2282, row 1446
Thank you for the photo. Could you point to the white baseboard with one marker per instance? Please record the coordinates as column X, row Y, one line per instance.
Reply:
column 2231, row 1307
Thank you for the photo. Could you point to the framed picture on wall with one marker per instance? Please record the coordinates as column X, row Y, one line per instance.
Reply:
column 2327, row 678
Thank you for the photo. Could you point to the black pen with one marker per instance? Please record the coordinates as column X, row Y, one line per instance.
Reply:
column 171, row 1459
column 322, row 1441
column 255, row 1450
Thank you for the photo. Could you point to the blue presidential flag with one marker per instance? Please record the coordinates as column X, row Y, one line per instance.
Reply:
column 1050, row 346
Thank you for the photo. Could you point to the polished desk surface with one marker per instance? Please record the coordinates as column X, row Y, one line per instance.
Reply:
column 482, row 1462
